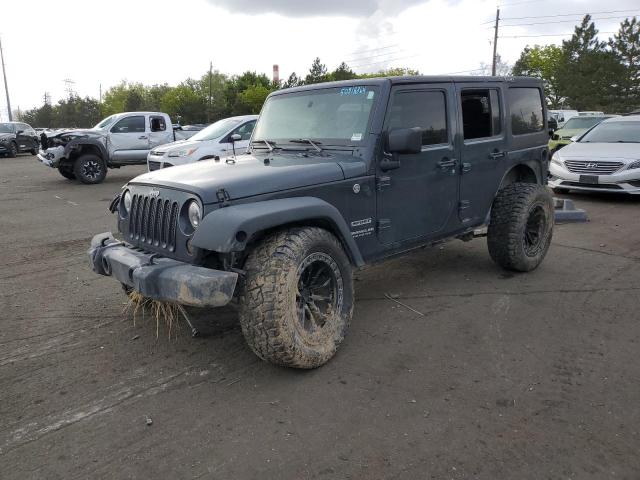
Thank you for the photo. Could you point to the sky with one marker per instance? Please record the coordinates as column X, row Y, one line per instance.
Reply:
column 98, row 44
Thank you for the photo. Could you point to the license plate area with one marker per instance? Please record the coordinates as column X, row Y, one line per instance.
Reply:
column 589, row 179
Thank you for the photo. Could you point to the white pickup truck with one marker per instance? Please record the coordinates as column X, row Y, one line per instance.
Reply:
column 119, row 140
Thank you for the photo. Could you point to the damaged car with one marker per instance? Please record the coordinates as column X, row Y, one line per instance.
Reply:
column 338, row 176
column 118, row 140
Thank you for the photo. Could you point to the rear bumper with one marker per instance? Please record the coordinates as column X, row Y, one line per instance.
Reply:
column 161, row 278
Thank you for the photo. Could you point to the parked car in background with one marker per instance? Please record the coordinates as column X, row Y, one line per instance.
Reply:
column 17, row 137
column 604, row 159
column 119, row 140
column 562, row 116
column 590, row 113
column 575, row 126
column 214, row 141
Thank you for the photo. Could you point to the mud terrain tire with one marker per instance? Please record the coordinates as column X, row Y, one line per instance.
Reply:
column 89, row 169
column 521, row 226
column 296, row 302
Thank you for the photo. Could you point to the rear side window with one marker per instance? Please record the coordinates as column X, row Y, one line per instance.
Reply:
column 129, row 125
column 525, row 105
column 424, row 109
column 481, row 116
column 157, row 124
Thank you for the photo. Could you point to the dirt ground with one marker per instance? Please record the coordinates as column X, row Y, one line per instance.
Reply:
column 501, row 376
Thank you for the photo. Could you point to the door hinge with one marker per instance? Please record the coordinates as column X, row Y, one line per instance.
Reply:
column 464, row 204
column 383, row 224
column 465, row 167
column 383, row 181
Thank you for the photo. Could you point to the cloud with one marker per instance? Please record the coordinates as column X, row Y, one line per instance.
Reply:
column 311, row 8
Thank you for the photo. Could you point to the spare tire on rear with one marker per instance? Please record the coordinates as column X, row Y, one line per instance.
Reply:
column 90, row 168
column 521, row 226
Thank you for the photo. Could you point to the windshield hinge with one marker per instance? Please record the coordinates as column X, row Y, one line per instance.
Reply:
column 223, row 197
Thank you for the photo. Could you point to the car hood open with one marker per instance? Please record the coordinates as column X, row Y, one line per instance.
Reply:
column 250, row 175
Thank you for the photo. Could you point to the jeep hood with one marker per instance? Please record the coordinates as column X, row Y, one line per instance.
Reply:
column 249, row 175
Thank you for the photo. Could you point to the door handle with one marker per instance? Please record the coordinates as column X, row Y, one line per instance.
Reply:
column 142, row 137
column 496, row 154
column 446, row 163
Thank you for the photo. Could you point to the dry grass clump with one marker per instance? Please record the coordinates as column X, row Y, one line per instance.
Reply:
column 163, row 312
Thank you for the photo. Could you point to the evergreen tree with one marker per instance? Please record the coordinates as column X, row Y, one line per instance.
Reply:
column 625, row 45
column 317, row 73
column 343, row 72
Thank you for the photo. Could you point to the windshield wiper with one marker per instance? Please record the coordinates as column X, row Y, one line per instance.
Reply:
column 270, row 145
column 315, row 144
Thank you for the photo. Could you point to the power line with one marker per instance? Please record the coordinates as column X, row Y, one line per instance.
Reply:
column 384, row 61
column 563, row 15
column 546, row 35
column 371, row 50
column 365, row 58
column 558, row 21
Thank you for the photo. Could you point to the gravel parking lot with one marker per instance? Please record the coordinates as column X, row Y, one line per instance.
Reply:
column 489, row 375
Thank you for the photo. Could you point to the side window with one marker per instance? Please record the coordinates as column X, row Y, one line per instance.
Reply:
column 129, row 125
column 525, row 105
column 481, row 116
column 424, row 109
column 245, row 130
column 157, row 124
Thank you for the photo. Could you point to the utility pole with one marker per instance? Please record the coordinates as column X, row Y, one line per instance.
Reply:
column 495, row 43
column 6, row 87
column 210, row 89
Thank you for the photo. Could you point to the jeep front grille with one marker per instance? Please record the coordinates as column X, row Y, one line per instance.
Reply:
column 592, row 167
column 153, row 221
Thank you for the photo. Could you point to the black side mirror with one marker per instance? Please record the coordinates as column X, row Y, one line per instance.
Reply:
column 405, row 141
column 19, row 132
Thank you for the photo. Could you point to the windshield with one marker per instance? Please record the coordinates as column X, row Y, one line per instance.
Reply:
column 106, row 122
column 6, row 128
column 337, row 116
column 578, row 123
column 216, row 130
column 614, row 132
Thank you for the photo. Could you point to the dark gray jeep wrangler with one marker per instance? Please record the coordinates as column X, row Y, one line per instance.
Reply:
column 338, row 175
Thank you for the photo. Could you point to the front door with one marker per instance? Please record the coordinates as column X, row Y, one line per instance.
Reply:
column 483, row 151
column 129, row 140
column 418, row 198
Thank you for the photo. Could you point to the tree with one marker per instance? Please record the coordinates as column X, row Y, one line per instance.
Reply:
column 543, row 62
column 185, row 103
column 343, row 72
column 253, row 98
column 625, row 45
column 390, row 72
column 293, row 81
column 503, row 68
column 588, row 73
column 317, row 72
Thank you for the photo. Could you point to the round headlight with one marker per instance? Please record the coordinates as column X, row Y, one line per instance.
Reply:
column 195, row 214
column 126, row 201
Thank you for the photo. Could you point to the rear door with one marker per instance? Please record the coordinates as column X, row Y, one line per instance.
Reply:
column 418, row 198
column 159, row 132
column 129, row 140
column 483, row 148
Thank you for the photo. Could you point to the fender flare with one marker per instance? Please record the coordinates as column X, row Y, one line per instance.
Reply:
column 221, row 230
column 80, row 142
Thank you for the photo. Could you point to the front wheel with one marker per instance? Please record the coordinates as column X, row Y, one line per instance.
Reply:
column 67, row 172
column 89, row 169
column 13, row 150
column 521, row 226
column 297, row 299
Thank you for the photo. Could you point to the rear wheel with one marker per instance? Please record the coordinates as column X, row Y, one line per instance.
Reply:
column 89, row 169
column 521, row 226
column 297, row 300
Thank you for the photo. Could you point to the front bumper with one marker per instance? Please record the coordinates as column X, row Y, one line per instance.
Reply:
column 625, row 181
column 51, row 156
column 159, row 277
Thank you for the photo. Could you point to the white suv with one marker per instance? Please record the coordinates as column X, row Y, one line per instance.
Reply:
column 214, row 141
column 606, row 158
